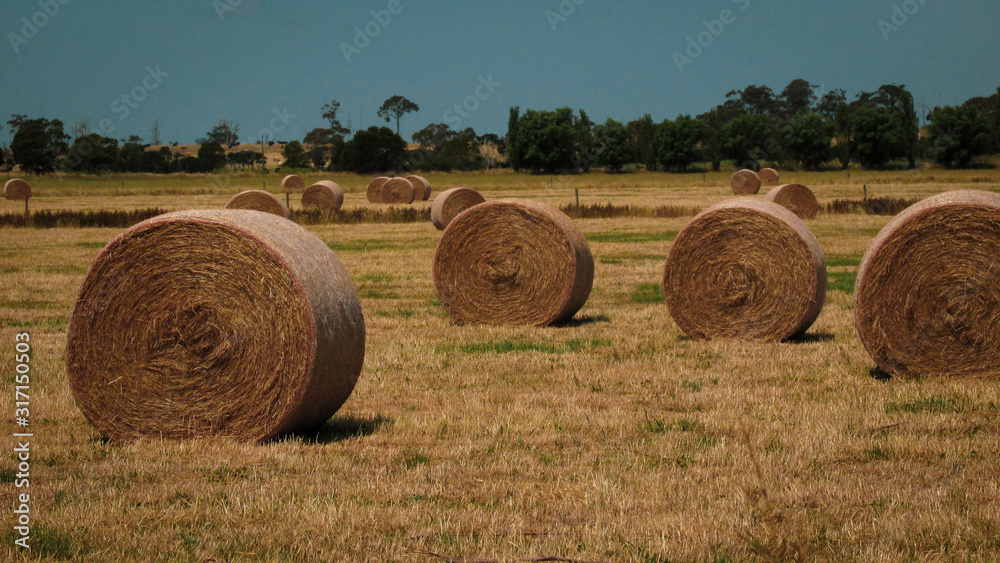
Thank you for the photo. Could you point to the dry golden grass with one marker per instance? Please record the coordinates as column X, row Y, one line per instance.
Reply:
column 610, row 438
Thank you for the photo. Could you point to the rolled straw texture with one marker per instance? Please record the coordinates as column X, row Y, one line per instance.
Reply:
column 397, row 190
column 214, row 323
column 796, row 198
column 421, row 188
column 449, row 203
column 325, row 195
column 927, row 295
column 746, row 270
column 16, row 189
column 769, row 176
column 375, row 189
column 513, row 262
column 745, row 182
column 292, row 183
column 257, row 200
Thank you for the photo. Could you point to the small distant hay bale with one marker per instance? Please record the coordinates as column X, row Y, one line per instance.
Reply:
column 397, row 190
column 224, row 323
column 927, row 295
column 421, row 188
column 745, row 182
column 449, row 203
column 375, row 189
column 16, row 189
column 257, row 200
column 746, row 270
column 769, row 176
column 292, row 183
column 513, row 262
column 797, row 198
column 325, row 195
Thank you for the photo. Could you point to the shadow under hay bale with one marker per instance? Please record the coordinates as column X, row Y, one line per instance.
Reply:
column 927, row 297
column 178, row 326
column 746, row 270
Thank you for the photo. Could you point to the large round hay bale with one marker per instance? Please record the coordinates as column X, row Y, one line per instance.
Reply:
column 324, row 195
column 214, row 323
column 745, row 182
column 257, row 200
column 513, row 262
column 746, row 270
column 16, row 189
column 375, row 189
column 292, row 183
column 421, row 188
column 797, row 198
column 397, row 190
column 769, row 176
column 449, row 203
column 927, row 295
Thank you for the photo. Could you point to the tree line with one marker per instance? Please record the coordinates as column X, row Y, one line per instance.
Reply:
column 753, row 127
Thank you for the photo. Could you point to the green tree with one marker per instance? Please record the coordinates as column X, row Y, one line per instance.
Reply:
column 434, row 135
column 745, row 139
column 396, row 107
column 225, row 132
column 878, row 136
column 613, row 145
column 808, row 139
column 753, row 100
column 678, row 143
column 584, row 142
column 957, row 135
column 211, row 156
column 547, row 140
column 711, row 137
column 376, row 149
column 828, row 104
column 93, row 153
column 336, row 130
column 798, row 97
column 319, row 136
column 644, row 141
column 511, row 146
column 295, row 155
column 37, row 144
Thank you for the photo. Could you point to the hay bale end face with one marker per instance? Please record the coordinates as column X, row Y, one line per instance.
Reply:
column 292, row 183
column 449, row 203
column 513, row 262
column 257, row 200
column 927, row 296
column 421, row 188
column 746, row 270
column 745, row 182
column 214, row 323
column 769, row 176
column 796, row 198
column 397, row 190
column 16, row 189
column 374, row 192
column 323, row 195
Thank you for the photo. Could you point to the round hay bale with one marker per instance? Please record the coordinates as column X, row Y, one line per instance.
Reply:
column 745, row 182
column 421, row 188
column 797, row 198
column 257, row 200
column 292, row 183
column 397, row 190
column 927, row 295
column 769, row 176
column 214, row 323
column 449, row 203
column 324, row 195
column 16, row 189
column 375, row 189
column 747, row 270
column 513, row 262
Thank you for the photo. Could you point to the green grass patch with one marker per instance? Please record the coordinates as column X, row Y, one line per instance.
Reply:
column 841, row 281
column 838, row 260
column 647, row 293
column 611, row 261
column 364, row 245
column 933, row 405
column 91, row 244
column 632, row 237
column 377, row 278
column 521, row 345
column 29, row 304
column 378, row 294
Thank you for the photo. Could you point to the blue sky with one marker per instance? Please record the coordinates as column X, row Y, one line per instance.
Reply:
column 270, row 65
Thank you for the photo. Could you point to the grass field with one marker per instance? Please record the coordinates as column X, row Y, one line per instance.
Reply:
column 610, row 438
